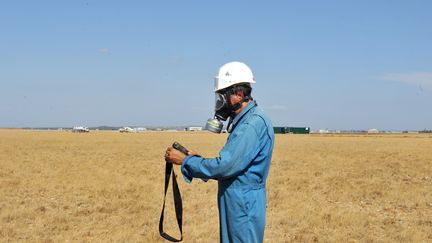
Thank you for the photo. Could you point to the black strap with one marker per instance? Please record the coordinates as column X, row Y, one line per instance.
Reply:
column 177, row 204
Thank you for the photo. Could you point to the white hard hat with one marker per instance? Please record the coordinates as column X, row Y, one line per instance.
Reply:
column 233, row 73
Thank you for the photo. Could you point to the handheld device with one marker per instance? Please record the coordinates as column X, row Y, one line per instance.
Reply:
column 180, row 148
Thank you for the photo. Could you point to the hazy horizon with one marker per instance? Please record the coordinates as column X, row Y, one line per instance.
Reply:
column 203, row 126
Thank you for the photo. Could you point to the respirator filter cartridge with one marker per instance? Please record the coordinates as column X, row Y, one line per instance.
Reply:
column 214, row 125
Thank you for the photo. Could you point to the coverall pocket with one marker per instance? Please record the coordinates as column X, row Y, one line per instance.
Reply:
column 249, row 199
column 241, row 204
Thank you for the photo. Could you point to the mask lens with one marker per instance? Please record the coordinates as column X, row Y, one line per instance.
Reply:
column 219, row 101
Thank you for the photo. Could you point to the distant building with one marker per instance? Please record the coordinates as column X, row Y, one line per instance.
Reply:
column 127, row 129
column 323, row 131
column 80, row 129
column 193, row 129
column 372, row 130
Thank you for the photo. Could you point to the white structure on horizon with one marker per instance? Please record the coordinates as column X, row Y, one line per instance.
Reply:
column 140, row 129
column 129, row 129
column 80, row 129
column 372, row 130
column 323, row 131
column 126, row 129
column 193, row 129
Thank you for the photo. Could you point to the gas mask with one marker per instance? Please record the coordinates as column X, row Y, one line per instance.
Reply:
column 223, row 110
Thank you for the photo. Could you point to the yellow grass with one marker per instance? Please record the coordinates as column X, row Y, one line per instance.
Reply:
column 108, row 187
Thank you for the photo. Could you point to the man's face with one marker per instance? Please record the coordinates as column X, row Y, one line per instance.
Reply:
column 236, row 98
column 226, row 102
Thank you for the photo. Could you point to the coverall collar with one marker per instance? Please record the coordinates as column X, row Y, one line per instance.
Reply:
column 237, row 118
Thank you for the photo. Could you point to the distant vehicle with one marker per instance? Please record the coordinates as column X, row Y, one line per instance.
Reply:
column 127, row 129
column 80, row 129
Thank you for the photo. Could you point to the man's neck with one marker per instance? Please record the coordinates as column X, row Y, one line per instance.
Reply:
column 244, row 104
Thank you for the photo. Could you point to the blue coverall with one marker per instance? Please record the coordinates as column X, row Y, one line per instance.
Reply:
column 241, row 171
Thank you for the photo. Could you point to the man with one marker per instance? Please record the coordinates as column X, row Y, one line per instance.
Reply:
column 243, row 163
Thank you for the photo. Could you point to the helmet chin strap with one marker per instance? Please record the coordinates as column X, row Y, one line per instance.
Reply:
column 234, row 109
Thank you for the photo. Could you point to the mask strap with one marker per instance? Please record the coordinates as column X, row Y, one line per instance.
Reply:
column 238, row 105
column 229, row 126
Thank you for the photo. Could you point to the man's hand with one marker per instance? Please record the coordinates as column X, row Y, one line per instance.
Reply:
column 174, row 156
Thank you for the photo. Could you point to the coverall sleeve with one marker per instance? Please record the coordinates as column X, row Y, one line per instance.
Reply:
column 241, row 148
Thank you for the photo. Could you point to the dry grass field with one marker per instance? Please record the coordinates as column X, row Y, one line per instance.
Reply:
column 58, row 186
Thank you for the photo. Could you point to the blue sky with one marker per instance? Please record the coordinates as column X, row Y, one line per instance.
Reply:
column 323, row 64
